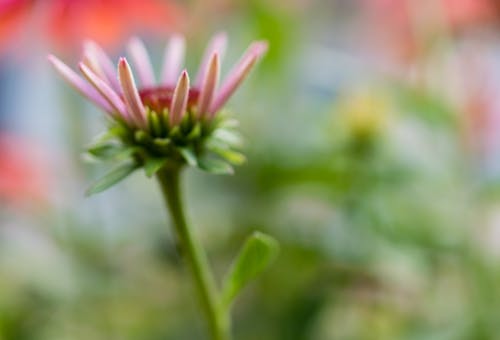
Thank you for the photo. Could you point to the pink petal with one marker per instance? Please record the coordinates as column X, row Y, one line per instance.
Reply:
column 79, row 84
column 209, row 85
column 141, row 61
column 130, row 94
column 217, row 44
column 90, row 62
column 174, row 55
column 179, row 99
column 238, row 74
column 106, row 91
column 105, row 64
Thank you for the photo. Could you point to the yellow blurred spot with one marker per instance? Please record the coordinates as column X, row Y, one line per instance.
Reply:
column 364, row 114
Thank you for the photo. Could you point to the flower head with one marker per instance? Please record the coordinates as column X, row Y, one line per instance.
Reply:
column 173, row 119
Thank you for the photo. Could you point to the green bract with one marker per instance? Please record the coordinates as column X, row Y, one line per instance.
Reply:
column 208, row 145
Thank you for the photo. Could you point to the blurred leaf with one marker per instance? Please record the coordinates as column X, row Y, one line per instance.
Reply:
column 279, row 26
column 426, row 105
column 111, row 178
column 258, row 252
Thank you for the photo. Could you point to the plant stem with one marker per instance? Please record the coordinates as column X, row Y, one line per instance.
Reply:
column 204, row 282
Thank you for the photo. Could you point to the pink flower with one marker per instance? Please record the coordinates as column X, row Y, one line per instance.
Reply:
column 170, row 121
column 128, row 101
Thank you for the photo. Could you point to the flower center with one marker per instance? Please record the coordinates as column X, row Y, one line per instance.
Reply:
column 160, row 98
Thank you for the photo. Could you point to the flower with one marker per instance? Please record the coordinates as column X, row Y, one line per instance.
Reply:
column 173, row 120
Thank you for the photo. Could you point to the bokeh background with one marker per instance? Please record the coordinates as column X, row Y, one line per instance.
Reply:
column 373, row 144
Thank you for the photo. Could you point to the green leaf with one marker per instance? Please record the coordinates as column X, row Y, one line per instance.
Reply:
column 215, row 166
column 111, row 178
column 152, row 165
column 257, row 254
column 188, row 155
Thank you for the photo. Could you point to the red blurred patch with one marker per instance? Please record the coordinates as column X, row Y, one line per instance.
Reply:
column 24, row 175
column 465, row 13
column 108, row 22
column 403, row 26
column 13, row 13
column 390, row 23
column 66, row 23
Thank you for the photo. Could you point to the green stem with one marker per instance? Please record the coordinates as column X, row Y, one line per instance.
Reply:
column 204, row 282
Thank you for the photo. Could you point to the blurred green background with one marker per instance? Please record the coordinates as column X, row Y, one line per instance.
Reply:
column 372, row 136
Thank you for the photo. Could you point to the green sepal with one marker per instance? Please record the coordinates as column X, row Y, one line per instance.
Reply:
column 111, row 151
column 105, row 150
column 162, row 142
column 152, row 165
column 215, row 166
column 115, row 131
column 164, row 118
column 149, row 113
column 233, row 157
column 141, row 137
column 258, row 252
column 206, row 144
column 195, row 132
column 223, row 150
column 175, row 131
column 229, row 137
column 155, row 123
column 113, row 177
column 188, row 155
column 229, row 124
